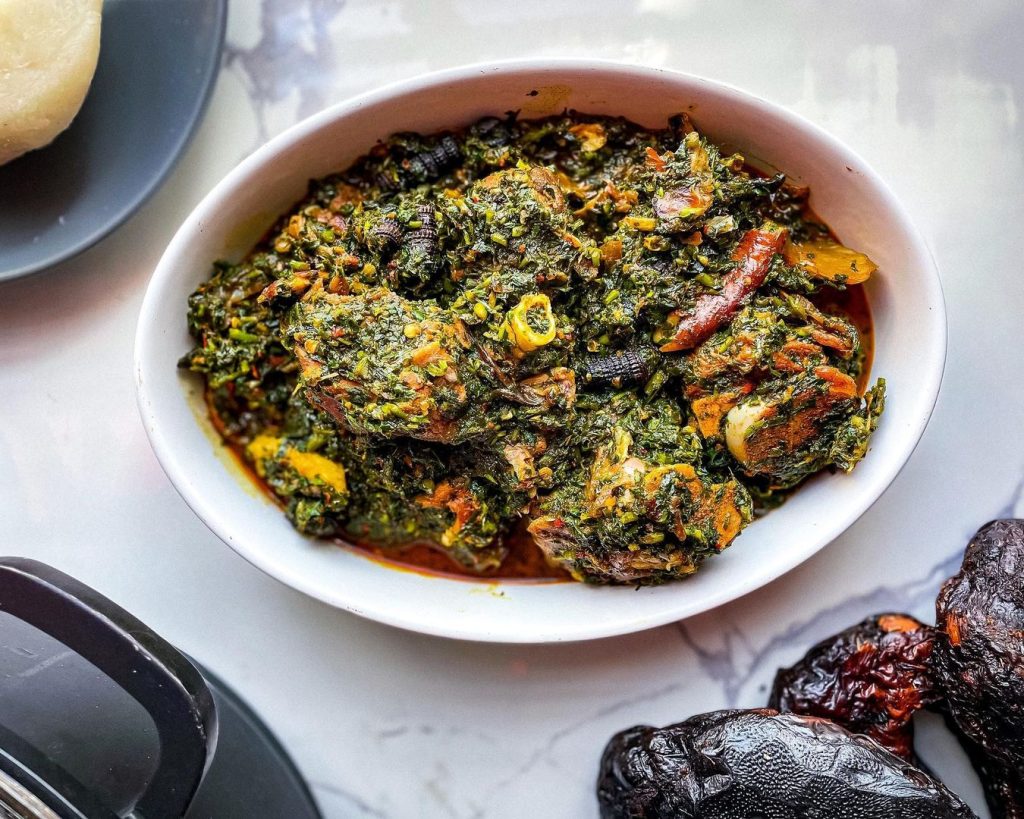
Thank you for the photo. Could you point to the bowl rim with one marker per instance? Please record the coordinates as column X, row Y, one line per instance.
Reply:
column 932, row 366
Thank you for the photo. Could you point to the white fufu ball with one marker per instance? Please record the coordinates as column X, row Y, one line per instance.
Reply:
column 48, row 52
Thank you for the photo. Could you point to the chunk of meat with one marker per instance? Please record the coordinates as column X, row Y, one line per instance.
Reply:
column 382, row 365
column 637, row 512
column 787, row 432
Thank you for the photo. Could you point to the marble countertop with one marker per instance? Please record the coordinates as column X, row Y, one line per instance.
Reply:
column 390, row 724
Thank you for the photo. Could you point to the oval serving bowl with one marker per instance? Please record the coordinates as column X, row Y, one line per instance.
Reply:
column 905, row 297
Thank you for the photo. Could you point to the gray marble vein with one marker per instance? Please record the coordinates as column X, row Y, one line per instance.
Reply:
column 734, row 662
column 1014, row 507
column 294, row 55
column 587, row 721
column 351, row 801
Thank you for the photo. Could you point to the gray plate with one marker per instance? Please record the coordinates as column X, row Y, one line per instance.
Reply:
column 158, row 61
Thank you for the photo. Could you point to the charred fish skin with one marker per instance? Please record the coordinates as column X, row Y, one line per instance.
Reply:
column 423, row 240
column 870, row 678
column 428, row 165
column 622, row 368
column 742, row 764
column 410, row 160
column 979, row 660
column 418, row 259
column 873, row 676
column 388, row 234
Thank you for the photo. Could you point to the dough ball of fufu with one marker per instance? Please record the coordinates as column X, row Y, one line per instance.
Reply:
column 48, row 52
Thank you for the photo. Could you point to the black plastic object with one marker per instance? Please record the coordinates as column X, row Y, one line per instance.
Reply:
column 102, row 719
column 156, row 675
column 251, row 775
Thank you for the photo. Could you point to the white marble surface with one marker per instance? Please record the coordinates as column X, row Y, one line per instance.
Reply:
column 390, row 724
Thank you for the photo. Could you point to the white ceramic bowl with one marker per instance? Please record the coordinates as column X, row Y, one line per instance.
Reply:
column 905, row 297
